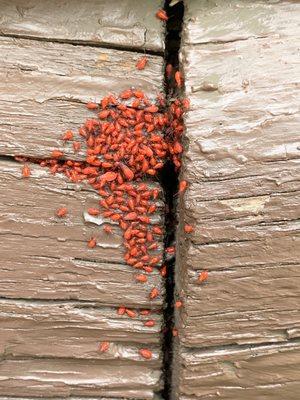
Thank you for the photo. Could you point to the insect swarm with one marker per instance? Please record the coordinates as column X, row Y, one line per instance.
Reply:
column 126, row 141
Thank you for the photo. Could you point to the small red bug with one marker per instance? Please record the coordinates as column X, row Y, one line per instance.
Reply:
column 174, row 332
column 130, row 313
column 146, row 353
column 178, row 304
column 103, row 347
column 149, row 323
column 61, row 212
column 163, row 271
column 68, row 135
column 26, row 171
column 141, row 278
column 93, row 211
column 203, row 276
column 178, row 78
column 162, row 15
column 188, row 228
column 107, row 229
column 121, row 310
column 57, row 154
column 154, row 293
column 182, row 186
column 76, row 146
column 92, row 243
column 92, row 106
column 141, row 63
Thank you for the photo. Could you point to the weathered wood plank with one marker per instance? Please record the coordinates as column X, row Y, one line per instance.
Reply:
column 259, row 304
column 266, row 372
column 243, row 128
column 58, row 262
column 28, row 328
column 128, row 23
column 242, row 219
column 67, row 378
column 43, row 87
column 227, row 20
column 241, row 162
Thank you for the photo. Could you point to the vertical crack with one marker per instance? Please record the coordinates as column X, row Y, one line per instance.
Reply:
column 169, row 182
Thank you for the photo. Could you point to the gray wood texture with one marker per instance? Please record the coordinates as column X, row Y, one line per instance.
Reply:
column 44, row 87
column 240, row 61
column 117, row 23
column 59, row 299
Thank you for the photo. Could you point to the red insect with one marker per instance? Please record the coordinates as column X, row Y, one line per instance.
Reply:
column 61, row 212
column 161, row 14
column 107, row 229
column 153, row 294
column 141, row 278
column 93, row 211
column 163, row 271
column 182, row 186
column 146, row 353
column 92, row 243
column 178, row 78
column 149, row 323
column 141, row 63
column 203, row 276
column 68, row 135
column 103, row 347
column 130, row 313
column 92, row 106
column 121, row 310
column 188, row 228
column 57, row 154
column 26, row 171
column 174, row 332
column 76, row 146
column 178, row 304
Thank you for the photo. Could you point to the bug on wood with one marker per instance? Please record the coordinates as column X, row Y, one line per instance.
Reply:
column 178, row 304
column 26, row 171
column 146, row 353
column 141, row 63
column 141, row 278
column 153, row 294
column 178, row 78
column 92, row 243
column 61, row 212
column 188, row 228
column 149, row 323
column 202, row 276
column 68, row 135
column 182, row 186
column 103, row 347
column 107, row 229
column 162, row 15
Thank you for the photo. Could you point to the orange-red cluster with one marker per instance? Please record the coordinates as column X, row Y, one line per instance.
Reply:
column 127, row 140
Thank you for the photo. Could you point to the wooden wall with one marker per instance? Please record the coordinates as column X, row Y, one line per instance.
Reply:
column 239, row 330
column 59, row 299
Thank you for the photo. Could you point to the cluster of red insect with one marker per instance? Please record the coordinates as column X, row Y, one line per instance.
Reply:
column 128, row 139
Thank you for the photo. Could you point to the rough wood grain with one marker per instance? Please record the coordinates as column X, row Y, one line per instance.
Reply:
column 58, row 262
column 226, row 20
column 67, row 378
column 74, row 330
column 259, row 305
column 43, row 88
column 260, row 372
column 241, row 160
column 129, row 23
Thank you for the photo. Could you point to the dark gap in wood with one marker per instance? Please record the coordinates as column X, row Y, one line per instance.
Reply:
column 169, row 182
column 85, row 43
